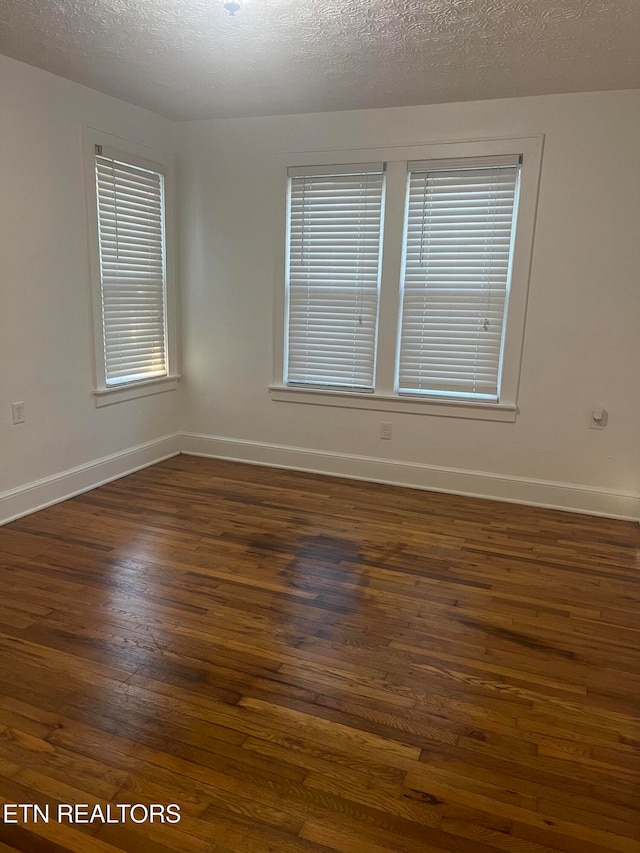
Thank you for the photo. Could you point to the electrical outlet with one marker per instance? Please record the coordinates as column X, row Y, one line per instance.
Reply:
column 385, row 430
column 17, row 410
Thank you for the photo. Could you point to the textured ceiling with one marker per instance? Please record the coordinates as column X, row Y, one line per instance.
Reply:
column 189, row 59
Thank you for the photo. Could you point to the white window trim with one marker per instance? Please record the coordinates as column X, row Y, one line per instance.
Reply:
column 157, row 160
column 383, row 398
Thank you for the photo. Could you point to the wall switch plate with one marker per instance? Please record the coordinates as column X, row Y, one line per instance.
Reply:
column 17, row 410
column 385, row 430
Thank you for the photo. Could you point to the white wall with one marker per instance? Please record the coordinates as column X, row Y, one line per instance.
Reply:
column 45, row 338
column 582, row 346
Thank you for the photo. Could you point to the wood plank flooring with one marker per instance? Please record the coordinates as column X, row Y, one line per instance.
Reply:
column 312, row 665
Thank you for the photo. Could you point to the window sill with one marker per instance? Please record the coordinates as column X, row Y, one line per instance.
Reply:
column 404, row 405
column 121, row 393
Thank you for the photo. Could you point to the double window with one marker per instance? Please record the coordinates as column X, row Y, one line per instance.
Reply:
column 133, row 308
column 406, row 279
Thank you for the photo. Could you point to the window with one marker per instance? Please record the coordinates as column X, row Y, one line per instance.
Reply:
column 132, row 305
column 459, row 231
column 406, row 279
column 333, row 275
column 132, row 277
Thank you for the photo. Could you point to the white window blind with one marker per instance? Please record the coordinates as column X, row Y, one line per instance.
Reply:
column 457, row 261
column 333, row 273
column 132, row 270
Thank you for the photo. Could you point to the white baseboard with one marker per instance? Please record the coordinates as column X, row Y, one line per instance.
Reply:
column 500, row 487
column 58, row 487
column 31, row 497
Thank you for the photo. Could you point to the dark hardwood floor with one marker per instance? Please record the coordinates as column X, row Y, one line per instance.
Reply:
column 311, row 664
